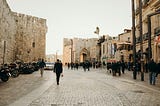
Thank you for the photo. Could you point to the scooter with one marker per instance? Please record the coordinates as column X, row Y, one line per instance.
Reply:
column 4, row 73
column 14, row 71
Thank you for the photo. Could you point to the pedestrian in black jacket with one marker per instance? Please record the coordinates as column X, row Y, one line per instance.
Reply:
column 152, row 66
column 58, row 69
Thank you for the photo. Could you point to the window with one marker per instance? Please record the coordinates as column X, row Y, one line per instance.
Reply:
column 33, row 44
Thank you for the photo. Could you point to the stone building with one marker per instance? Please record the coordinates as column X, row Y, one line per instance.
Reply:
column 124, row 46
column 7, row 33
column 79, row 50
column 22, row 37
column 148, row 7
column 108, row 49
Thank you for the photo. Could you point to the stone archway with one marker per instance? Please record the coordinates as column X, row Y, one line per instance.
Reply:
column 84, row 54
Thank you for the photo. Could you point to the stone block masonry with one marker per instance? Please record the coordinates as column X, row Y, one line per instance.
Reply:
column 22, row 37
column 7, row 33
column 30, row 37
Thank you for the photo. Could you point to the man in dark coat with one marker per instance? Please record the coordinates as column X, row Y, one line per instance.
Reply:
column 58, row 69
column 114, row 68
column 152, row 66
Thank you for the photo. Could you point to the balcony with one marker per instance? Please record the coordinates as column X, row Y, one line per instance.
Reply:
column 125, row 46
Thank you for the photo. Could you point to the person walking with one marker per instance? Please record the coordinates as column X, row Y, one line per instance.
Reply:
column 152, row 66
column 41, row 64
column 68, row 65
column 58, row 69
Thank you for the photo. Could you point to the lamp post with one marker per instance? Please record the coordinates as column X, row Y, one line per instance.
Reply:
column 71, row 49
column 134, row 41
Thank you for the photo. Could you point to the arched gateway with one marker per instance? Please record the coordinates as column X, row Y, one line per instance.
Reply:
column 84, row 55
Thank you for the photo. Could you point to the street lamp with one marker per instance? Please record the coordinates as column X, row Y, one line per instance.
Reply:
column 71, row 49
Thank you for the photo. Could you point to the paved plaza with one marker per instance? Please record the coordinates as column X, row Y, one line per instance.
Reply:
column 78, row 88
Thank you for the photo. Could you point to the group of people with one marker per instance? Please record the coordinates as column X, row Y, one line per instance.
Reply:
column 152, row 67
column 117, row 67
column 58, row 68
column 73, row 65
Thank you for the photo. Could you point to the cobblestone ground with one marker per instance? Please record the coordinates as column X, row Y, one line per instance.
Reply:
column 90, row 88
column 17, row 88
column 80, row 88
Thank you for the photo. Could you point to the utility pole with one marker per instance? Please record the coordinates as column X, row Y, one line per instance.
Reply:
column 141, row 39
column 134, row 41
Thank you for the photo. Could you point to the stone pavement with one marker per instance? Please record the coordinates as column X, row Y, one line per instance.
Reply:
column 96, row 87
column 24, row 84
column 129, row 75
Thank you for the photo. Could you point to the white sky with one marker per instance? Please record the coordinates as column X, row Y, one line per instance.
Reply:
column 76, row 18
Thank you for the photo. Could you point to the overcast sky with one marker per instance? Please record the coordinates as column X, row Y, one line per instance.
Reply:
column 76, row 18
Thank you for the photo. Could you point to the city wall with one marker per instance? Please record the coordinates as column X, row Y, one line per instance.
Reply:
column 22, row 37
column 7, row 33
column 31, row 37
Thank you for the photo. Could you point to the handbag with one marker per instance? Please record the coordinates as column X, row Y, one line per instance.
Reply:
column 62, row 75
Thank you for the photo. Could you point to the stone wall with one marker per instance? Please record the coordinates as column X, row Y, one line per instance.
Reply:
column 30, row 37
column 22, row 37
column 80, row 46
column 7, row 33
